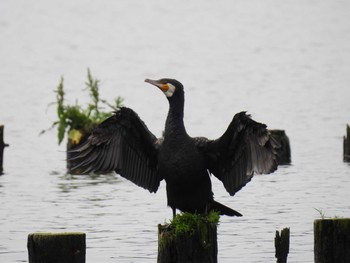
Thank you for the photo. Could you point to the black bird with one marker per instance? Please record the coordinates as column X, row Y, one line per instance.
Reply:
column 123, row 143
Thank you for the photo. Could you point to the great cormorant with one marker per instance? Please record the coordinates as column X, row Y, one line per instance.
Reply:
column 123, row 143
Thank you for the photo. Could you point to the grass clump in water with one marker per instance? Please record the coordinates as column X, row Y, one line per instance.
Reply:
column 75, row 120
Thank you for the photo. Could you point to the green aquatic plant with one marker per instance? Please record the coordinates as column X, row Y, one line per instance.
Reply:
column 75, row 120
column 321, row 212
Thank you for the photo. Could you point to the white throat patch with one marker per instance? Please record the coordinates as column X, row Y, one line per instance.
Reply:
column 169, row 93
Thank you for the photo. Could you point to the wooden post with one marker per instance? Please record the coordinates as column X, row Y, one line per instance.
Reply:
column 282, row 245
column 284, row 152
column 199, row 246
column 346, row 145
column 56, row 247
column 332, row 240
column 2, row 146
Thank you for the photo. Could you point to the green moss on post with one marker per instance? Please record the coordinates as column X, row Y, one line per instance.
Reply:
column 188, row 238
column 332, row 240
column 56, row 247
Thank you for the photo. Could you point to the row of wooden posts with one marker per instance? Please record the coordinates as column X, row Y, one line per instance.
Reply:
column 280, row 135
column 331, row 244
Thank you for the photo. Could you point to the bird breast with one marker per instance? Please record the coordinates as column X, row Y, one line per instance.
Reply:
column 181, row 162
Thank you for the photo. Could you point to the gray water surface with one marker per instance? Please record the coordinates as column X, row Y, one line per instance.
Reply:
column 286, row 62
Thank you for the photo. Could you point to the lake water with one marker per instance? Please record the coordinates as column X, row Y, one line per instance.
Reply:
column 285, row 62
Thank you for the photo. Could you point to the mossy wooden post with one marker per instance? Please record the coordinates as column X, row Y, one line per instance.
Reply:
column 282, row 245
column 332, row 240
column 198, row 246
column 56, row 247
column 76, row 121
column 2, row 146
column 284, row 152
column 346, row 147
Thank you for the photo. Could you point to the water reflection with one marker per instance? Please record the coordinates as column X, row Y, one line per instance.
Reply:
column 68, row 182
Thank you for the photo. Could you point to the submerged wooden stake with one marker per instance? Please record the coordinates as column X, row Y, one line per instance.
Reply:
column 346, row 145
column 332, row 240
column 56, row 247
column 197, row 247
column 2, row 146
column 282, row 245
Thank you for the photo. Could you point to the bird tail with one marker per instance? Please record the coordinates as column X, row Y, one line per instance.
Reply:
column 224, row 210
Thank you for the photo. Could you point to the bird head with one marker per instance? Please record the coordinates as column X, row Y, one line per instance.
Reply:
column 168, row 86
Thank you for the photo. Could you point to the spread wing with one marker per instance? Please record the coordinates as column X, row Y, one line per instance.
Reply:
column 122, row 143
column 244, row 149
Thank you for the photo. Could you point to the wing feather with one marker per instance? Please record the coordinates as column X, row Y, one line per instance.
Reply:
column 246, row 148
column 122, row 143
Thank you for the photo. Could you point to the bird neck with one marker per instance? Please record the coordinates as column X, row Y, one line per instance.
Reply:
column 174, row 125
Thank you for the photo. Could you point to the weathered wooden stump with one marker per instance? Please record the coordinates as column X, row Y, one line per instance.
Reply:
column 282, row 245
column 2, row 146
column 332, row 240
column 284, row 152
column 346, row 145
column 56, row 247
column 196, row 243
